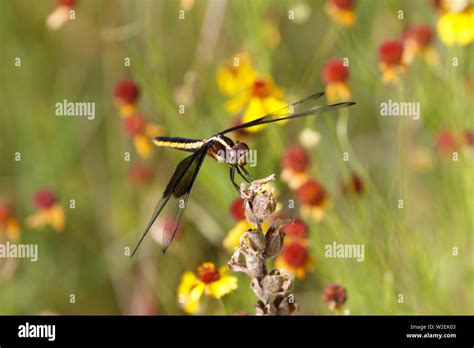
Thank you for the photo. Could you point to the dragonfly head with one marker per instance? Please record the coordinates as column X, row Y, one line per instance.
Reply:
column 239, row 154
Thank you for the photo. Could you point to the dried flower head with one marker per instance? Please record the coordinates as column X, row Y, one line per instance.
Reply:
column 259, row 200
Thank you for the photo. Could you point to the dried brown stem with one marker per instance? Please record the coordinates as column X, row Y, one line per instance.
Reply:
column 272, row 288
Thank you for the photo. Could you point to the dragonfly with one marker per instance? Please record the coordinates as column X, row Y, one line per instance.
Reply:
column 223, row 149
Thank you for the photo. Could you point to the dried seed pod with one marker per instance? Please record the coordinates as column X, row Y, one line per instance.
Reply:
column 253, row 242
column 273, row 284
column 259, row 290
column 274, row 240
column 263, row 205
column 255, row 266
column 258, row 200
column 277, row 282
column 285, row 305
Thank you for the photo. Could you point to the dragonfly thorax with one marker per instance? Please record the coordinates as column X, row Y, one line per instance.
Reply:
column 224, row 150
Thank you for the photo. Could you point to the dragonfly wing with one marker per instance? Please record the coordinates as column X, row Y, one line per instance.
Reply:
column 302, row 108
column 295, row 108
column 171, row 206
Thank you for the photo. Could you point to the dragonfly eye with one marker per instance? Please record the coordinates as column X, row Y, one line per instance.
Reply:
column 242, row 153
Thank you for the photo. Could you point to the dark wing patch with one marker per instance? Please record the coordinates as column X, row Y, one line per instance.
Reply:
column 175, row 197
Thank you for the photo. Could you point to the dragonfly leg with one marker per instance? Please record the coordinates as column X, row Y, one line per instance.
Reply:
column 232, row 178
column 247, row 173
column 242, row 175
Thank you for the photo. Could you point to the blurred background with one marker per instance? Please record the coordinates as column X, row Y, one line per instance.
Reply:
column 83, row 189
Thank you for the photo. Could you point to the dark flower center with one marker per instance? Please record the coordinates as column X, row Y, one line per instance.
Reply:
column 208, row 273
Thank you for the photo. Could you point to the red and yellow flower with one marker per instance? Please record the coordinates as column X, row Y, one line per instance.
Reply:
column 209, row 281
column 390, row 57
column 142, row 132
column 335, row 75
column 295, row 162
column 49, row 211
column 313, row 197
column 295, row 258
column 341, row 11
column 297, row 229
column 417, row 40
column 9, row 223
column 61, row 14
column 126, row 94
column 448, row 142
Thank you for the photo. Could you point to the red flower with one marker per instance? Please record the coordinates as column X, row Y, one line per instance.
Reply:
column 295, row 255
column 44, row 199
column 237, row 209
column 126, row 91
column 335, row 71
column 446, row 141
column 390, row 52
column 355, row 185
column 296, row 159
column 140, row 173
column 468, row 137
column 5, row 214
column 343, row 4
column 422, row 34
column 67, row 3
column 335, row 296
column 134, row 125
column 311, row 193
column 297, row 228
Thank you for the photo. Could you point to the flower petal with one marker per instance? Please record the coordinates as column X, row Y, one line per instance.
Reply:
column 222, row 287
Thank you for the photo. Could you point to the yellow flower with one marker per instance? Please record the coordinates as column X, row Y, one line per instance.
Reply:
column 457, row 27
column 261, row 97
column 234, row 76
column 210, row 281
column 53, row 216
column 341, row 11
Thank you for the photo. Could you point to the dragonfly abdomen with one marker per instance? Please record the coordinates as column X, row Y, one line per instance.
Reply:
column 184, row 144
